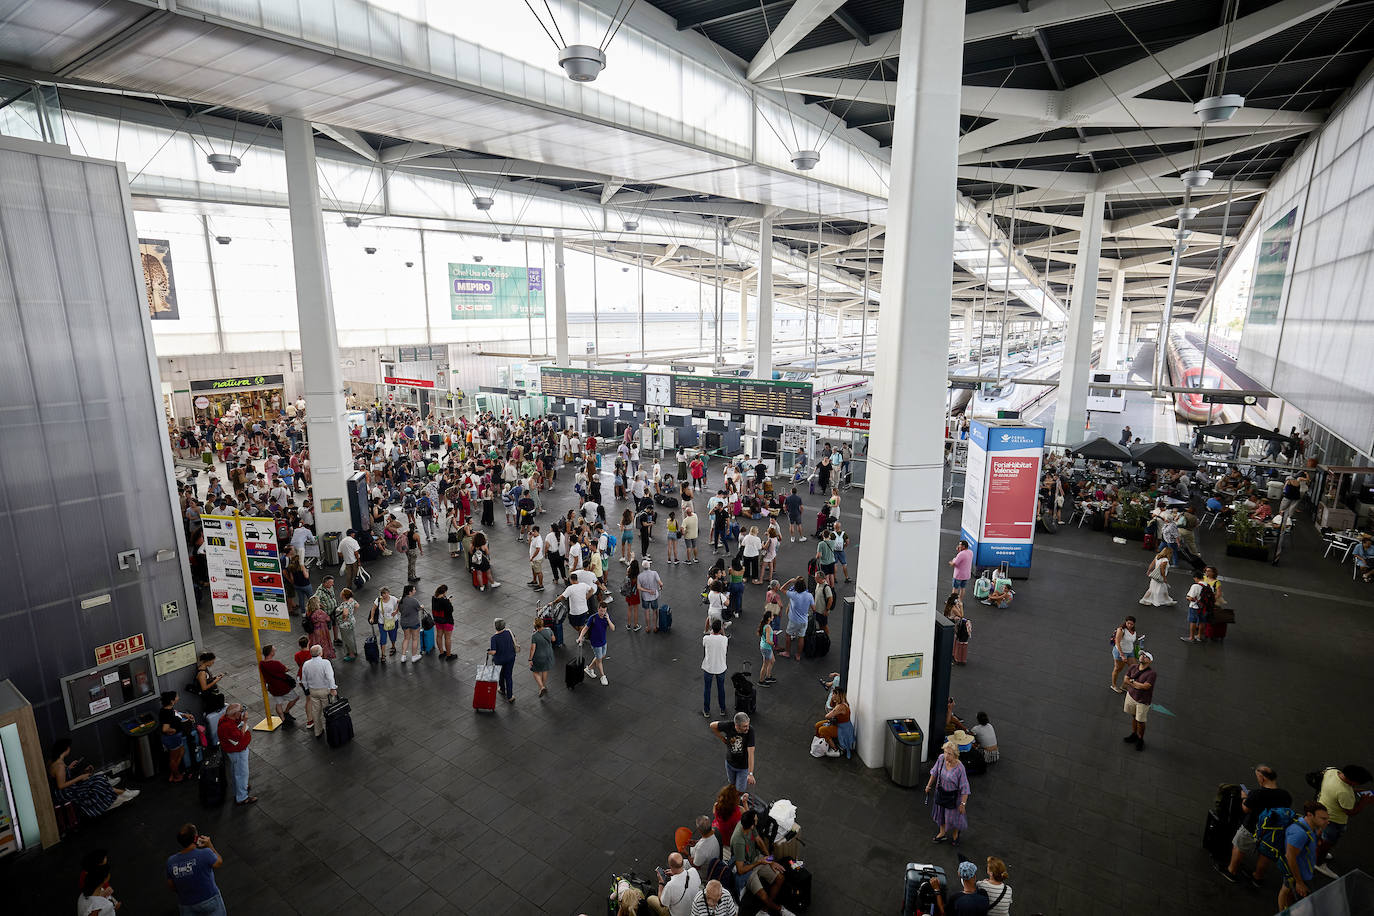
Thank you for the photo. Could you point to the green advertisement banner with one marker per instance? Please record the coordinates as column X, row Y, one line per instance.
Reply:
column 494, row 291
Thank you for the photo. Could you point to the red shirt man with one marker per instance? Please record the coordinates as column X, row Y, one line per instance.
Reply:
column 234, row 735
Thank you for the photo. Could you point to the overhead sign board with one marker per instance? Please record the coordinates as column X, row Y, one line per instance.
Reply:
column 495, row 291
column 238, row 383
column 843, row 422
column 695, row 392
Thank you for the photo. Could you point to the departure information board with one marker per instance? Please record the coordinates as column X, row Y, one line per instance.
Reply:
column 743, row 395
column 596, row 384
column 689, row 392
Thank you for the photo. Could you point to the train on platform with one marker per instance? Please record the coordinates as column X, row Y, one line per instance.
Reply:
column 1186, row 371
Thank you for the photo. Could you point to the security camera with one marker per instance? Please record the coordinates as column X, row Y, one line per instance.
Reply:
column 370, row 250
column 223, row 239
column 410, row 263
column 477, row 258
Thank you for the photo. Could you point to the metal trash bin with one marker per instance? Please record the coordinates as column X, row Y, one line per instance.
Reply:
column 141, row 730
column 329, row 551
column 902, row 751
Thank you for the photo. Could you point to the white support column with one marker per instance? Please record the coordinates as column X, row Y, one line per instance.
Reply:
column 763, row 325
column 1071, row 408
column 1111, row 335
column 743, row 339
column 896, row 598
column 560, row 303
column 967, row 334
column 1127, row 342
column 331, row 458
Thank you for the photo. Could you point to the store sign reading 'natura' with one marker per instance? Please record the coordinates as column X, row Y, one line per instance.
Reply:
column 240, row 381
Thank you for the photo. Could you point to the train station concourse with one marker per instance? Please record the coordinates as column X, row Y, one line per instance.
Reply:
column 496, row 458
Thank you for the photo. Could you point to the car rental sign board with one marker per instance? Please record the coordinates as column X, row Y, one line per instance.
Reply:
column 1001, row 489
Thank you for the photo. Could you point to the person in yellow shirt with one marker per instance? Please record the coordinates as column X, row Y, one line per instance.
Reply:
column 1340, row 794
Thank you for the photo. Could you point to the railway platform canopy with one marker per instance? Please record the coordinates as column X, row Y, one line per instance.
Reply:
column 327, row 241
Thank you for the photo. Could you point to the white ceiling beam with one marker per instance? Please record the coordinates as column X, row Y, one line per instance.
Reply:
column 609, row 190
column 801, row 20
column 349, row 138
column 864, row 237
column 876, row 92
column 1057, row 220
column 977, row 27
column 1183, row 58
column 1003, row 130
column 505, row 168
column 1000, row 102
column 1167, row 165
column 1029, row 178
column 1053, row 197
column 1095, row 144
column 1008, row 19
column 833, row 57
column 1166, row 214
column 408, row 151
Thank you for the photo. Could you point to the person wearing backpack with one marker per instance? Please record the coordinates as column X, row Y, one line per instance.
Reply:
column 963, row 629
column 424, row 508
column 1260, row 806
column 1300, row 852
column 1201, row 600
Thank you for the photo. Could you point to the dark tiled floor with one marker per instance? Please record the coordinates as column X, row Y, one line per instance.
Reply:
column 434, row 808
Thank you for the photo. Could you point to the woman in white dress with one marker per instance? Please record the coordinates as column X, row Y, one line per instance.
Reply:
column 1158, row 592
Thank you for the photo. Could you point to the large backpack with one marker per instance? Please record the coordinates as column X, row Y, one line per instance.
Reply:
column 1270, row 828
column 961, row 631
column 1207, row 599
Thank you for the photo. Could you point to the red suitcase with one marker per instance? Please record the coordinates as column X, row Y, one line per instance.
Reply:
column 1215, row 631
column 484, row 689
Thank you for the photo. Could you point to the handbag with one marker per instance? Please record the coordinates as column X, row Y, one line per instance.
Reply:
column 427, row 622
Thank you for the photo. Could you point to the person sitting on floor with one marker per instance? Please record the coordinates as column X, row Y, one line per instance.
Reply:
column 93, row 793
column 829, row 727
column 1001, row 594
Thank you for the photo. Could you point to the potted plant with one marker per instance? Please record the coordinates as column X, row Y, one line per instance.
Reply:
column 1134, row 516
column 1244, row 540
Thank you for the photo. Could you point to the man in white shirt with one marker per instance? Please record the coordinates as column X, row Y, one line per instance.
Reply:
column 713, row 666
column 280, row 495
column 317, row 680
column 676, row 895
column 589, row 511
column 348, row 554
column 579, row 595
column 536, row 559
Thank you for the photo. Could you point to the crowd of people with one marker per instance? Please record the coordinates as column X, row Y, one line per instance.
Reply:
column 434, row 481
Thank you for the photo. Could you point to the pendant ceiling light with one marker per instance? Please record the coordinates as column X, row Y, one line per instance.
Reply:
column 806, row 159
column 1218, row 109
column 224, row 162
column 1196, row 178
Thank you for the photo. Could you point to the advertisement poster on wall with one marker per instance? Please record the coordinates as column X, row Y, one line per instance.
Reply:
column 1271, row 269
column 158, row 283
column 495, row 291
column 1001, row 489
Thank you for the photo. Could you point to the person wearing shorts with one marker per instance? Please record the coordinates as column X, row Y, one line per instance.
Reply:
column 596, row 630
column 690, row 526
column 963, row 567
column 1140, row 689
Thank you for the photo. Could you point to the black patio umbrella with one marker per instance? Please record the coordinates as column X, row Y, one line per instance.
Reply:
column 1101, row 449
column 1240, row 430
column 1162, row 455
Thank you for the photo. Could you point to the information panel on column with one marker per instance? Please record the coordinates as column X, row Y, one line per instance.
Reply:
column 743, row 395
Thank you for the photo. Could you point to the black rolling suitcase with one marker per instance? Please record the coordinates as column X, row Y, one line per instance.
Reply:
column 213, row 780
column 918, row 895
column 746, row 696
column 338, row 722
column 796, row 886
column 573, row 673
column 1216, row 837
column 817, row 641
column 370, row 650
